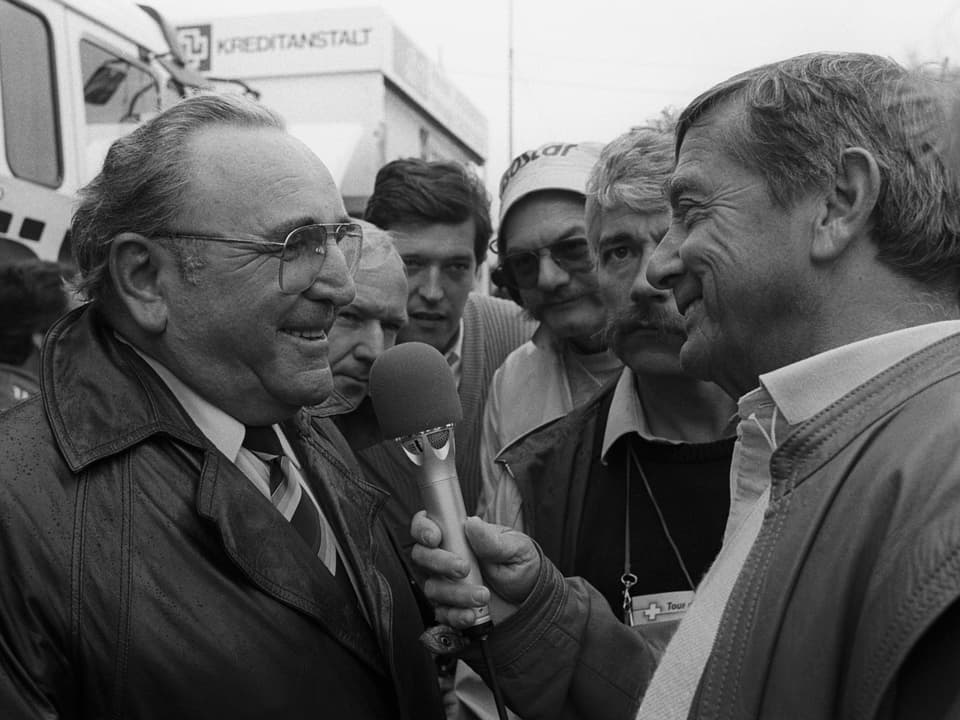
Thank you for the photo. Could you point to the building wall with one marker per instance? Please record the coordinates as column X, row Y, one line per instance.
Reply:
column 349, row 84
column 412, row 133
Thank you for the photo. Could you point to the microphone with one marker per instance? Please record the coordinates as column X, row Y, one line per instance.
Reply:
column 415, row 399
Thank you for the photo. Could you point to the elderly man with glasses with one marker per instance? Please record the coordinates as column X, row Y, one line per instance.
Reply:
column 178, row 538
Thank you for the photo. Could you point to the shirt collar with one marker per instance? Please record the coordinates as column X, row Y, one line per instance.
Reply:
column 223, row 430
column 759, row 411
column 626, row 415
column 804, row 388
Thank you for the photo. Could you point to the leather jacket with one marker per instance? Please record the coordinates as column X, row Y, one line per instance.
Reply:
column 145, row 576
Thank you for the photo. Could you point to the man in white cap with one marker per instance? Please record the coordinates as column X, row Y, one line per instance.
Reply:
column 547, row 266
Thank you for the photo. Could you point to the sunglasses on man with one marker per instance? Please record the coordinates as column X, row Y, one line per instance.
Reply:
column 520, row 269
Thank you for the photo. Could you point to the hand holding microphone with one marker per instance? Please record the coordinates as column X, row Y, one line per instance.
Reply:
column 509, row 560
column 415, row 398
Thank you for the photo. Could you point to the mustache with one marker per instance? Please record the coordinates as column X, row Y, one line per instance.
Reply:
column 649, row 318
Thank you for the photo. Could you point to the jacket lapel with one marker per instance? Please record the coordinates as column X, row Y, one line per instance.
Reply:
column 349, row 503
column 271, row 554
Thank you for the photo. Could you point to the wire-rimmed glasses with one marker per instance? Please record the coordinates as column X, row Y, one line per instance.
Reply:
column 302, row 252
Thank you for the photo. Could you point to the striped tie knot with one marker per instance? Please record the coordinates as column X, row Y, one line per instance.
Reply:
column 263, row 440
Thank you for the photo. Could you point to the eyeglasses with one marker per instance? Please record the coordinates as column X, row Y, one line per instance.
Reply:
column 521, row 269
column 302, row 252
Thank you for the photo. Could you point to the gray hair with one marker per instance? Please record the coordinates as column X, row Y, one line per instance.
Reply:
column 800, row 116
column 378, row 246
column 142, row 183
column 631, row 172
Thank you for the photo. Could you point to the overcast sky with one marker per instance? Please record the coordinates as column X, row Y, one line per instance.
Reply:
column 590, row 69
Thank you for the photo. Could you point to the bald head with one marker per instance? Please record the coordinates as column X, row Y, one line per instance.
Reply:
column 378, row 253
column 368, row 326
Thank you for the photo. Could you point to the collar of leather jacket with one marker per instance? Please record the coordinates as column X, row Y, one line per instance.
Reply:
column 99, row 395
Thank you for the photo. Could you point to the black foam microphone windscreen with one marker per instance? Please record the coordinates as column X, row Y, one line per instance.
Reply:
column 412, row 389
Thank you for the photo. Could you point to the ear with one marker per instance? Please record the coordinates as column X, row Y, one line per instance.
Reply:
column 846, row 215
column 136, row 267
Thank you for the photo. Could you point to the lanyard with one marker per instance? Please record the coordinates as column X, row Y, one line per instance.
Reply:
column 629, row 579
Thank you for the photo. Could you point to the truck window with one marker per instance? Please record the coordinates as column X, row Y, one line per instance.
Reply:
column 116, row 90
column 118, row 94
column 27, row 86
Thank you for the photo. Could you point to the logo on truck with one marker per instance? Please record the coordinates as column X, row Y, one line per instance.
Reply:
column 195, row 45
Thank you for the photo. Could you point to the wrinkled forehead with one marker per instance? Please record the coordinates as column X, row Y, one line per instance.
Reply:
column 261, row 169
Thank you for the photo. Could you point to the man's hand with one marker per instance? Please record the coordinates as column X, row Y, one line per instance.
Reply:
column 508, row 560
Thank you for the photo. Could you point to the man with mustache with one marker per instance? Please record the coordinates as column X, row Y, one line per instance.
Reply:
column 549, row 268
column 631, row 490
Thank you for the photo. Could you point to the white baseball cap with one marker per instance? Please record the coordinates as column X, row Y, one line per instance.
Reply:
column 554, row 166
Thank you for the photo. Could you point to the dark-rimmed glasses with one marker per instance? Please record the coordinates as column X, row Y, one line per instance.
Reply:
column 302, row 252
column 521, row 269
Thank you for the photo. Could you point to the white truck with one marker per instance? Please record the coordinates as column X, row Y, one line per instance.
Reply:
column 74, row 76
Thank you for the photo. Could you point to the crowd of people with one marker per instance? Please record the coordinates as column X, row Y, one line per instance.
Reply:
column 710, row 444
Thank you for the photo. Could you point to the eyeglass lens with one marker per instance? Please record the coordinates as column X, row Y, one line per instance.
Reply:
column 306, row 248
column 572, row 255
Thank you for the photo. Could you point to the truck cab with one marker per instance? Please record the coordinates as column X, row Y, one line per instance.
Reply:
column 74, row 76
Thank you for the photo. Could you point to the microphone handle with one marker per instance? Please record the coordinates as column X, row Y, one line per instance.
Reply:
column 443, row 501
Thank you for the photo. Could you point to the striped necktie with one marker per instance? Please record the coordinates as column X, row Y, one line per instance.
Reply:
column 286, row 492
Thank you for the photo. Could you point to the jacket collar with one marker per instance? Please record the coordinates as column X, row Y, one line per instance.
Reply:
column 539, row 442
column 101, row 398
column 804, row 388
column 822, row 436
